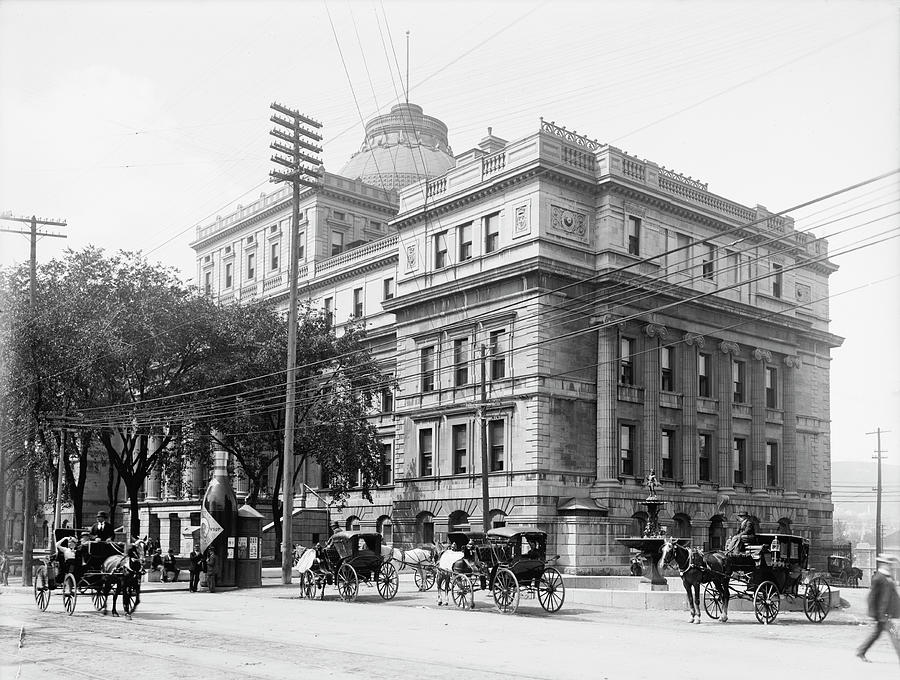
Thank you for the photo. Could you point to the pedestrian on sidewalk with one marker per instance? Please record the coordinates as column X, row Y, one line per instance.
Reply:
column 884, row 605
column 212, row 569
column 4, row 568
column 196, row 566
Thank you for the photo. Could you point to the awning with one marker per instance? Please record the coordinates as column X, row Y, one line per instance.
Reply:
column 580, row 504
column 193, row 532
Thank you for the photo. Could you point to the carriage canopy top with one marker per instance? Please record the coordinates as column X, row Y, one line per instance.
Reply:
column 514, row 532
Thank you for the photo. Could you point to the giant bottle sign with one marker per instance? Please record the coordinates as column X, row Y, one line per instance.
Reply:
column 218, row 520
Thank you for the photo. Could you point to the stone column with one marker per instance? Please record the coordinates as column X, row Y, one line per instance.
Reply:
column 789, row 430
column 760, row 358
column 607, row 397
column 689, row 453
column 651, row 459
column 152, row 486
column 726, row 430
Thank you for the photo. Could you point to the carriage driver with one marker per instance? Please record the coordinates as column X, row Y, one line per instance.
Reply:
column 745, row 534
column 102, row 529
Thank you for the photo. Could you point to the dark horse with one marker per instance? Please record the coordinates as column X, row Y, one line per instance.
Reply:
column 697, row 567
column 125, row 571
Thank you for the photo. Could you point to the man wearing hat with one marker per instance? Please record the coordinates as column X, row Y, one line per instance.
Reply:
column 884, row 604
column 102, row 529
column 746, row 532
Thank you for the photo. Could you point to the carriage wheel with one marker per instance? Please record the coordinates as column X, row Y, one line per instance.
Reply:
column 69, row 594
column 130, row 595
column 817, row 600
column 347, row 583
column 461, row 591
column 424, row 578
column 41, row 589
column 387, row 581
column 766, row 602
column 551, row 590
column 712, row 601
column 506, row 591
column 98, row 597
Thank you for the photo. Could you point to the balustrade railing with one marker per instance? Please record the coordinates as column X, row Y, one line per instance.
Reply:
column 577, row 158
column 360, row 253
column 707, row 199
column 436, row 187
column 492, row 164
column 273, row 282
column 634, row 169
column 249, row 289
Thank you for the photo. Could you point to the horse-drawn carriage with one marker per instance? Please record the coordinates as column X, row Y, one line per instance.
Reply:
column 512, row 563
column 348, row 559
column 842, row 572
column 98, row 568
column 773, row 567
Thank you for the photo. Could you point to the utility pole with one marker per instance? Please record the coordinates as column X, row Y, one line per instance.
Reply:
column 879, row 530
column 485, row 494
column 291, row 130
column 28, row 510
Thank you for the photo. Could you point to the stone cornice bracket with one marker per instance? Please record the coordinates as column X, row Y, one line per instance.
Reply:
column 654, row 329
column 793, row 362
column 691, row 339
column 729, row 347
column 762, row 355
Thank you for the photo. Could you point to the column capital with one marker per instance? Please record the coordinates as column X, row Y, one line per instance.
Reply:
column 793, row 361
column 653, row 330
column 606, row 320
column 762, row 355
column 691, row 339
column 729, row 347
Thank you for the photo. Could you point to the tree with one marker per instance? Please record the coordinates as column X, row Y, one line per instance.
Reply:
column 337, row 381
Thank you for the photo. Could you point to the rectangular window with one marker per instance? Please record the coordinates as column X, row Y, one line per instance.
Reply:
column 626, row 449
column 301, row 246
column 329, row 310
column 428, row 369
column 440, row 250
column 426, row 452
column 460, row 449
column 337, row 243
column 776, row 280
column 357, row 301
column 739, row 454
column 375, row 225
column 228, row 277
column 207, row 282
column 498, row 354
column 387, row 400
column 495, row 441
column 251, row 266
column 634, row 235
column 491, row 232
column 273, row 256
column 667, row 382
column 387, row 465
column 626, row 361
column 461, row 361
column 771, row 464
column 709, row 264
column 704, row 448
column 389, row 289
column 668, row 454
column 737, row 377
column 771, row 387
column 339, row 216
column 465, row 242
column 703, row 377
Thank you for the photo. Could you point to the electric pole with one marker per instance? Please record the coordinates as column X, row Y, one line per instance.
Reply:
column 879, row 543
column 485, row 494
column 290, row 129
column 28, row 510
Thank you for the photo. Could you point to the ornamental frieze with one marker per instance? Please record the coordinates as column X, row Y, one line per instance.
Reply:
column 570, row 223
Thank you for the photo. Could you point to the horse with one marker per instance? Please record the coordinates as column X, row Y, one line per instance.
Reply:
column 697, row 567
column 126, row 570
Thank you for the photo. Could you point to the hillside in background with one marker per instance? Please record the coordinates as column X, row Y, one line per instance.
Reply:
column 853, row 494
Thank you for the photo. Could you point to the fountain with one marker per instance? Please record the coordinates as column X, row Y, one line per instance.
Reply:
column 654, row 536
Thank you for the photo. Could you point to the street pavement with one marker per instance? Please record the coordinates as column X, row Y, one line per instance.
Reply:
column 269, row 632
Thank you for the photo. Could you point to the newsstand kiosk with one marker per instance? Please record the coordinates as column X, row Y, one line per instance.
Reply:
column 248, row 553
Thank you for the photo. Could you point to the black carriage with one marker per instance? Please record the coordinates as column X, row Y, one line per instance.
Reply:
column 512, row 563
column 842, row 572
column 348, row 559
column 84, row 577
column 775, row 566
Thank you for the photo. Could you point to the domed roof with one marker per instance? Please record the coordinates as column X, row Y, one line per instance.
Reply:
column 400, row 148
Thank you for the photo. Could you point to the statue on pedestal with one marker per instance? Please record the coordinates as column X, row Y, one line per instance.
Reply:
column 652, row 485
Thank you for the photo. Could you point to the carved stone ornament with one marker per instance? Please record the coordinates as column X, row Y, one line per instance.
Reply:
column 793, row 362
column 412, row 257
column 762, row 355
column 691, row 339
column 654, row 329
column 729, row 347
column 521, row 225
column 567, row 221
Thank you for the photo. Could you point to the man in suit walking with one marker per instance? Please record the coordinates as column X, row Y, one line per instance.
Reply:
column 196, row 566
column 102, row 529
column 884, row 605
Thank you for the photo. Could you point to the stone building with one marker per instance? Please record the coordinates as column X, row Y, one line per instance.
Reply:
column 621, row 318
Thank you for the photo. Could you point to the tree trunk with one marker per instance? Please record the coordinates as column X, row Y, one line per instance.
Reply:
column 134, row 524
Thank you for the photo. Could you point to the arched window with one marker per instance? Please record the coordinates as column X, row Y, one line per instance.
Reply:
column 425, row 527
column 459, row 521
column 352, row 523
column 681, row 526
column 716, row 533
column 498, row 519
column 386, row 529
column 638, row 523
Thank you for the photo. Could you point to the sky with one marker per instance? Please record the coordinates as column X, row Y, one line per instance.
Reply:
column 137, row 121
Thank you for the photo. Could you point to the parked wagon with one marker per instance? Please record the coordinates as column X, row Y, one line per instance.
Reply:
column 512, row 563
column 347, row 559
column 842, row 572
